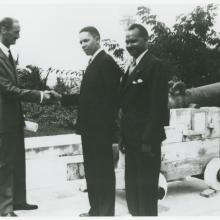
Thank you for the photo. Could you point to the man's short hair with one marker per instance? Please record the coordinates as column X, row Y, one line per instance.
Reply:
column 7, row 23
column 92, row 30
column 142, row 30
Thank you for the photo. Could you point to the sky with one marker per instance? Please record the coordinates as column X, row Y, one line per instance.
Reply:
column 49, row 31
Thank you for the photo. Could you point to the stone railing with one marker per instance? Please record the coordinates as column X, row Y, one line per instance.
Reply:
column 55, row 160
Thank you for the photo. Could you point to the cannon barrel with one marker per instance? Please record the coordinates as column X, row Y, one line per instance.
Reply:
column 208, row 95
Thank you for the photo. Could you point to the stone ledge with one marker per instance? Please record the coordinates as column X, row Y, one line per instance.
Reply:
column 53, row 146
column 55, row 160
column 50, row 141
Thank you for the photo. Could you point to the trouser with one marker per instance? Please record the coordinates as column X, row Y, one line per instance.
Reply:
column 19, row 174
column 99, row 173
column 12, row 170
column 141, row 180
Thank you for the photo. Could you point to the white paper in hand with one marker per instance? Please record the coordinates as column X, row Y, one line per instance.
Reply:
column 31, row 126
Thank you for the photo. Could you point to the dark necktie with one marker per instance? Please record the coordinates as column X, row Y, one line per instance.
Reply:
column 90, row 61
column 11, row 58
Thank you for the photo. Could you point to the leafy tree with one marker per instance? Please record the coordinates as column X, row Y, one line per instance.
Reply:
column 61, row 120
column 31, row 78
column 118, row 53
column 189, row 48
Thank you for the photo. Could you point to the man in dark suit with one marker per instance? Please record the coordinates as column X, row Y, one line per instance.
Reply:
column 144, row 101
column 12, row 152
column 98, row 104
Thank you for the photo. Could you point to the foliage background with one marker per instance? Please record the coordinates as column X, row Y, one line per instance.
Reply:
column 190, row 50
column 53, row 119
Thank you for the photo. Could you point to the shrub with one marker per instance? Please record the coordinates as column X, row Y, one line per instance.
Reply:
column 52, row 119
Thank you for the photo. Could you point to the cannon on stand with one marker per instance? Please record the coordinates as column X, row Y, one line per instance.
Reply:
column 208, row 95
column 192, row 147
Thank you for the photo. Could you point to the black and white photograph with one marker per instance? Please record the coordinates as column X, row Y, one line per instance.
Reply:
column 109, row 109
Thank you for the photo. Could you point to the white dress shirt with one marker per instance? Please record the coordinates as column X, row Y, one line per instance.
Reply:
column 95, row 54
column 4, row 49
column 140, row 57
column 134, row 62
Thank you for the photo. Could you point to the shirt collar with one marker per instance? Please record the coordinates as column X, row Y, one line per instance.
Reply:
column 140, row 57
column 4, row 49
column 95, row 54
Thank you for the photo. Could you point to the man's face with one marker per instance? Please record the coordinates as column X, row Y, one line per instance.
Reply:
column 11, row 35
column 135, row 44
column 89, row 43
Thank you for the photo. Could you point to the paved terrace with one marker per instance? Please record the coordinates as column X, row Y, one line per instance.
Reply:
column 53, row 183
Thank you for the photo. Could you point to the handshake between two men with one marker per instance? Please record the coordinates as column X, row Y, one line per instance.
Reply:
column 51, row 96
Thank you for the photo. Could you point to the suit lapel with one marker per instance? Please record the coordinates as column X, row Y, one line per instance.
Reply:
column 124, row 78
column 94, row 61
column 137, row 70
column 9, row 65
column 91, row 68
column 131, row 77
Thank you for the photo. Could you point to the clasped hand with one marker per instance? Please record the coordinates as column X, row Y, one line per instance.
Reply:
column 51, row 96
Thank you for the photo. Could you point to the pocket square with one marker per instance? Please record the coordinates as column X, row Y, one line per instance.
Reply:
column 140, row 81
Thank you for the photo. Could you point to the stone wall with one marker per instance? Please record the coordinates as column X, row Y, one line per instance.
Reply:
column 55, row 160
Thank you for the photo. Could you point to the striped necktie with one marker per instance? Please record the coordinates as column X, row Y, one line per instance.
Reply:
column 132, row 66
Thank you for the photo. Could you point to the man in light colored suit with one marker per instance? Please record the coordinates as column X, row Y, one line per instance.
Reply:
column 12, row 152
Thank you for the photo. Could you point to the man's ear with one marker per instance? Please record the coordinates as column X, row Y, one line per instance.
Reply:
column 97, row 38
column 3, row 30
column 148, row 44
